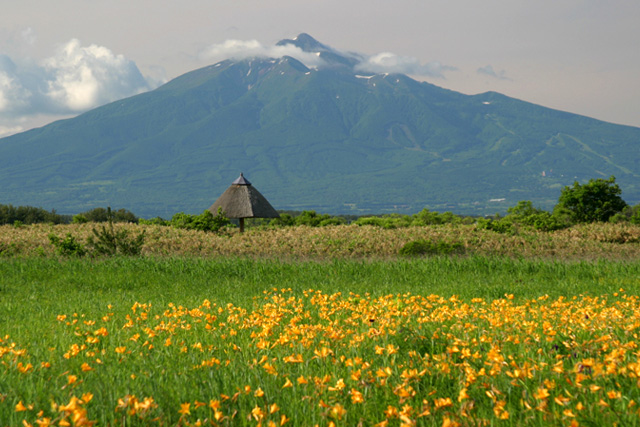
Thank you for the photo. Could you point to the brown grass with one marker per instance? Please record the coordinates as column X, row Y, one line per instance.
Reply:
column 591, row 241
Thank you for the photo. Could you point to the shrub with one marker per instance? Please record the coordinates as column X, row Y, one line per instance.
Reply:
column 427, row 247
column 499, row 225
column 334, row 220
column 629, row 214
column 635, row 218
column 544, row 221
column 206, row 221
column 68, row 246
column 312, row 219
column 108, row 241
column 153, row 221
column 285, row 220
column 390, row 221
column 426, row 217
column 522, row 215
column 79, row 219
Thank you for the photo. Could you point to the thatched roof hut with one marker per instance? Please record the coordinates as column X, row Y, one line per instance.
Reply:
column 242, row 200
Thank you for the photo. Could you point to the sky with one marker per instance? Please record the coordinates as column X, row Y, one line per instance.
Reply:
column 61, row 58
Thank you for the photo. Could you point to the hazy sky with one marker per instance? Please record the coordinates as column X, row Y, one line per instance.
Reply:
column 59, row 58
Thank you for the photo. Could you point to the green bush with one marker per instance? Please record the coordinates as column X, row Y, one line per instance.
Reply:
column 523, row 215
column 426, row 217
column 68, row 246
column 635, row 218
column 422, row 218
column 427, row 247
column 154, row 221
column 498, row 225
column 630, row 214
column 312, row 219
column 107, row 241
column 79, row 219
column 389, row 221
column 206, row 221
column 285, row 220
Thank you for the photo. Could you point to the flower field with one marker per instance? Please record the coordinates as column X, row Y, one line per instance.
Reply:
column 304, row 358
column 329, row 327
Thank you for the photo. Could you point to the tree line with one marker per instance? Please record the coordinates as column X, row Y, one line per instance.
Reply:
column 598, row 200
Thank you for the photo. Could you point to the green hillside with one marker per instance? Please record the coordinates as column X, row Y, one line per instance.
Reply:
column 327, row 139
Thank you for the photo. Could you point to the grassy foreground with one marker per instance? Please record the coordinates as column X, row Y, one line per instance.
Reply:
column 229, row 341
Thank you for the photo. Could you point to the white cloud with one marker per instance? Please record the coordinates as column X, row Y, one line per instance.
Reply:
column 13, row 95
column 488, row 70
column 85, row 77
column 387, row 62
column 76, row 78
column 243, row 49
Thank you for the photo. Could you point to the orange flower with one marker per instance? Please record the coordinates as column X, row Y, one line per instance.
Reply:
column 541, row 393
column 44, row 422
column 337, row 411
column 356, row 396
column 184, row 408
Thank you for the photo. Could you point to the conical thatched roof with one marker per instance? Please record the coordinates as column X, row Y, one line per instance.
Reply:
column 242, row 200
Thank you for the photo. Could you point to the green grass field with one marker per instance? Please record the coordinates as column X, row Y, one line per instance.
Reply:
column 236, row 341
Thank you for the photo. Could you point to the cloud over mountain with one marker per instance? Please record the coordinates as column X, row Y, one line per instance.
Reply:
column 313, row 54
column 75, row 79
column 387, row 62
column 243, row 49
column 84, row 77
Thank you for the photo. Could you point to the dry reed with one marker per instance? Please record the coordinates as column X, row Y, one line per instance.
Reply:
column 590, row 241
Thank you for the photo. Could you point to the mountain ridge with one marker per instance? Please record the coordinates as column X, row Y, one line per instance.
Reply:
column 330, row 138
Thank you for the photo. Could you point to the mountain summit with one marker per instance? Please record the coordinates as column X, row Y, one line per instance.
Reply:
column 325, row 138
column 305, row 42
column 330, row 56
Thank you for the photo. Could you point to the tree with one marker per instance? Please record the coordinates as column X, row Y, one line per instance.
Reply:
column 596, row 201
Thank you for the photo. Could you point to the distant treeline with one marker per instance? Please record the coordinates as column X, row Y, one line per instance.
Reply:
column 10, row 214
column 597, row 201
column 18, row 215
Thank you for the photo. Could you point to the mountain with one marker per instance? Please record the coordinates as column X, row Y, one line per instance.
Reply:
column 327, row 138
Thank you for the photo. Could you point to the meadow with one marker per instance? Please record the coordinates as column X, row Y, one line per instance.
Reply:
column 580, row 242
column 328, row 327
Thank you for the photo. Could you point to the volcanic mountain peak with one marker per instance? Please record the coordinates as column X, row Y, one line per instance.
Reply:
column 332, row 57
column 305, row 42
